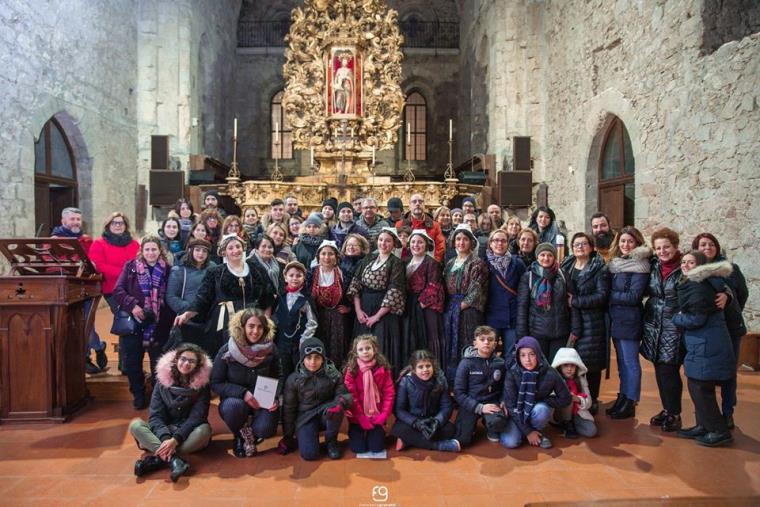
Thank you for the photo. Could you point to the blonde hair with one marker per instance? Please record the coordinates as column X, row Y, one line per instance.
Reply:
column 152, row 238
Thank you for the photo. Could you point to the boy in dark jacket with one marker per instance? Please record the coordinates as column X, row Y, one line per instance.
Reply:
column 295, row 317
column 315, row 399
column 532, row 388
column 478, row 386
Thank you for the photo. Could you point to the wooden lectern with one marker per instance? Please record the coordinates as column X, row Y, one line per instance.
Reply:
column 44, row 329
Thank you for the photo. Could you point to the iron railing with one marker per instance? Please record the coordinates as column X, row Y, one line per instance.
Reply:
column 417, row 34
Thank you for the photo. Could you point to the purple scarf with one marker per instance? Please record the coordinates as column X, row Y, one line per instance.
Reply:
column 154, row 291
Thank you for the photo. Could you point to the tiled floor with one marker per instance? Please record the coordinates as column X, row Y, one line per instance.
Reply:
column 89, row 462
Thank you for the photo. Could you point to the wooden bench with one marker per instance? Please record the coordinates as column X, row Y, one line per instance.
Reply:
column 749, row 353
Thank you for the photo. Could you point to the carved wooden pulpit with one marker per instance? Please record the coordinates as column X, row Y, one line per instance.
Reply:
column 44, row 329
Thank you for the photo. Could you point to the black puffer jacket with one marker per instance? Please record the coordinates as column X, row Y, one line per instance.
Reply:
column 534, row 321
column 175, row 411
column 308, row 395
column 589, row 310
column 663, row 342
column 738, row 285
column 412, row 404
column 478, row 381
column 230, row 379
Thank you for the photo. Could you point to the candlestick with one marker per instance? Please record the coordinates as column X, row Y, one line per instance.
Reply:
column 312, row 155
column 234, row 128
column 373, row 155
column 352, row 131
column 408, row 133
column 276, row 132
column 451, row 128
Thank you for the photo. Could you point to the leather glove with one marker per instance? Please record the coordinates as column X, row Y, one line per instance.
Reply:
column 418, row 424
column 430, row 426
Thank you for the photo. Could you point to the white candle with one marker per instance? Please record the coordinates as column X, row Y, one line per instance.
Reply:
column 312, row 155
column 451, row 128
column 276, row 132
column 373, row 155
column 408, row 133
column 352, row 131
column 234, row 129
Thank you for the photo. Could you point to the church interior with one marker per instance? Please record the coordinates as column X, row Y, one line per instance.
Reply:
column 646, row 110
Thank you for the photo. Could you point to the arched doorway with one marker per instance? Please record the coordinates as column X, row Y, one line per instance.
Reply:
column 55, row 177
column 617, row 168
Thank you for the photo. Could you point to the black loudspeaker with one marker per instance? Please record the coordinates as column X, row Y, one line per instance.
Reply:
column 159, row 152
column 166, row 187
column 521, row 153
column 515, row 189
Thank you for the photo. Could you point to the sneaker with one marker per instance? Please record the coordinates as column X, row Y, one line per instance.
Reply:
column 714, row 439
column 659, row 418
column 672, row 423
column 492, row 436
column 693, row 432
column 545, row 442
column 450, row 445
column 90, row 368
column 101, row 359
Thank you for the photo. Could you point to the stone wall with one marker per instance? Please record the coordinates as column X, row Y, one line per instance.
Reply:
column 75, row 59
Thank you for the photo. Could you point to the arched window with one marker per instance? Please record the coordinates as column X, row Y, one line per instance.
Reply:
column 415, row 119
column 281, row 133
column 617, row 167
column 55, row 176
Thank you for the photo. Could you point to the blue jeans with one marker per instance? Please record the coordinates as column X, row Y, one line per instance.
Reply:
column 728, row 387
column 235, row 412
column 512, row 437
column 93, row 342
column 361, row 440
column 629, row 368
column 308, row 435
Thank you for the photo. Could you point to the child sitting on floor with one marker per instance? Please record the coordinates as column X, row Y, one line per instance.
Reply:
column 423, row 407
column 575, row 418
column 478, row 387
column 368, row 378
column 315, row 399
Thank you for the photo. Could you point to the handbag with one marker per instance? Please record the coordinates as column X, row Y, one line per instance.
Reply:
column 124, row 324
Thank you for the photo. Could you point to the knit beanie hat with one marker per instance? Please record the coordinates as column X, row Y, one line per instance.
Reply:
column 546, row 247
column 457, row 210
column 345, row 205
column 395, row 204
column 313, row 219
column 311, row 346
column 330, row 202
column 469, row 199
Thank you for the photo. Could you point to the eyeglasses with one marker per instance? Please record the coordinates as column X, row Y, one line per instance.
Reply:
column 183, row 359
column 416, row 200
column 117, row 222
column 313, row 350
column 581, row 245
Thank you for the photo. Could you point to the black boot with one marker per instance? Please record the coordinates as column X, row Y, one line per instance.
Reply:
column 238, row 448
column 626, row 409
column 658, row 419
column 101, row 359
column 615, row 406
column 594, row 406
column 90, row 368
column 333, row 449
column 570, row 431
column 714, row 439
column 179, row 468
column 148, row 464
column 672, row 423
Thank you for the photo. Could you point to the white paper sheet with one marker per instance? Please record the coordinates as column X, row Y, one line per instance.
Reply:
column 265, row 391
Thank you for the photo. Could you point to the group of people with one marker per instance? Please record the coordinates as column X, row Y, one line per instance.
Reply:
column 414, row 314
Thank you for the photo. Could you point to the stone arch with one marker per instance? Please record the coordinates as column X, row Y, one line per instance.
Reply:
column 602, row 111
column 69, row 123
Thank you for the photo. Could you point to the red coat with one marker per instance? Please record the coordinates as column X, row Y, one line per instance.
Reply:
column 355, row 386
column 110, row 260
column 433, row 229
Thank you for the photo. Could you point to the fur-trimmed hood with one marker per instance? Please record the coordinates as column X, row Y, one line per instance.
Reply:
column 635, row 262
column 164, row 371
column 722, row 269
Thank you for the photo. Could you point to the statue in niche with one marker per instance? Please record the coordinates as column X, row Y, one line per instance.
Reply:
column 344, row 83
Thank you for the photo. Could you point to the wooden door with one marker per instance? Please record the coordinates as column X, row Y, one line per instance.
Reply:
column 612, row 203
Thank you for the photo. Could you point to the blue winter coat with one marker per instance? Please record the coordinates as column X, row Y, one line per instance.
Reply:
column 501, row 306
column 709, row 353
column 629, row 278
column 478, row 381
column 412, row 405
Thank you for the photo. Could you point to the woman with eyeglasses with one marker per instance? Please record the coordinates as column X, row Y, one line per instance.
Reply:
column 589, row 292
column 109, row 253
column 178, row 415
column 505, row 271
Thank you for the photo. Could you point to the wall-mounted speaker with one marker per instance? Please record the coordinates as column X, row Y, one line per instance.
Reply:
column 166, row 187
column 515, row 189
column 159, row 152
column 521, row 153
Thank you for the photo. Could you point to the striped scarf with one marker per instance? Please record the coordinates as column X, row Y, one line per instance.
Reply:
column 526, row 398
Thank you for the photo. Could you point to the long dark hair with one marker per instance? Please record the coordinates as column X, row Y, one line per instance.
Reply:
column 200, row 355
column 417, row 357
